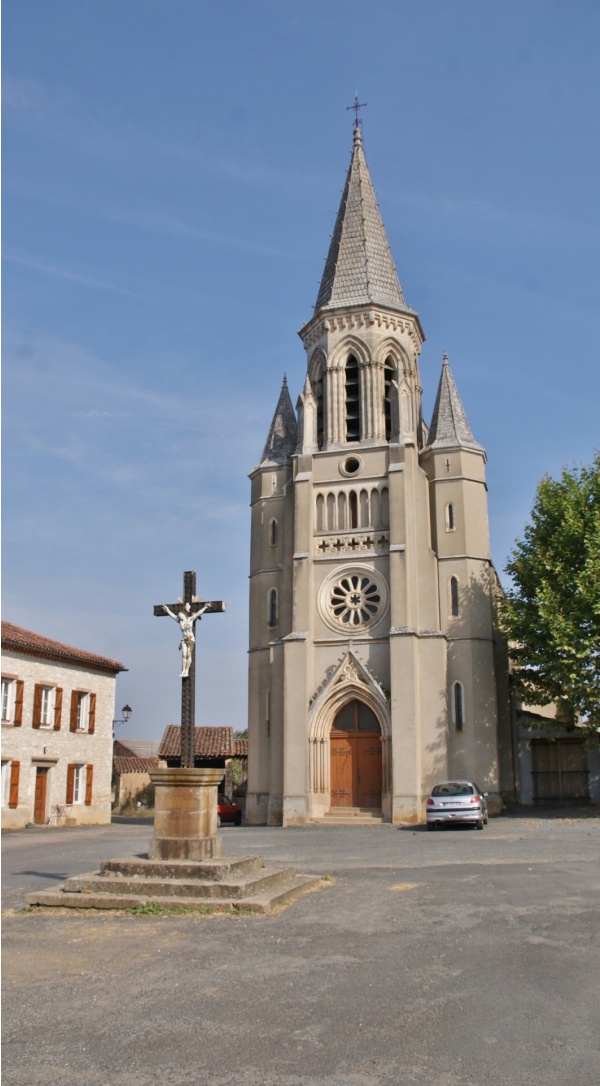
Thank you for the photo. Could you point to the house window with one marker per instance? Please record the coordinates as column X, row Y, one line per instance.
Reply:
column 47, row 706
column 10, row 783
column 352, row 400
column 9, row 694
column 5, row 782
column 458, row 706
column 272, row 608
column 78, row 783
column 83, row 711
column 48, row 703
column 454, row 607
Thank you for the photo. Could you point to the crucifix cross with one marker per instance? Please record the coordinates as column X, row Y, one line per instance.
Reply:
column 186, row 611
column 356, row 106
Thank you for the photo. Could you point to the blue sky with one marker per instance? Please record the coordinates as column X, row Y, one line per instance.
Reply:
column 172, row 171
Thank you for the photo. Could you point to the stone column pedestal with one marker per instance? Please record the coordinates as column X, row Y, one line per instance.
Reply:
column 185, row 814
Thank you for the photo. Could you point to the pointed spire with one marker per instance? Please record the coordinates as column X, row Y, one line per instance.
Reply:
column 283, row 435
column 449, row 426
column 359, row 267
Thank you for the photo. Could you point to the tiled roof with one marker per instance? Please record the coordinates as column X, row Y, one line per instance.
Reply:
column 359, row 268
column 240, row 748
column 449, row 426
column 208, row 743
column 134, row 765
column 283, row 435
column 19, row 640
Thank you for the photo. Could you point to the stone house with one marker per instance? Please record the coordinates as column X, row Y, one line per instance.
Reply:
column 131, row 767
column 57, row 722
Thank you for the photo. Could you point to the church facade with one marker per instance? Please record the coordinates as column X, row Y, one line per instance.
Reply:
column 374, row 666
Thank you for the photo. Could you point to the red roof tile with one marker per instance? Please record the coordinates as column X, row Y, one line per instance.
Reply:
column 134, row 765
column 240, row 748
column 20, row 640
column 208, row 743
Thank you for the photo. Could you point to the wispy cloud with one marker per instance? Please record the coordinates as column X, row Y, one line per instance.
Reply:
column 65, row 273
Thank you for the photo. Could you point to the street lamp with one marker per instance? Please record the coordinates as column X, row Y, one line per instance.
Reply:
column 126, row 711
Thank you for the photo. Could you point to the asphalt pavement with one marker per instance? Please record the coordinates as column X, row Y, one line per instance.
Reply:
column 459, row 958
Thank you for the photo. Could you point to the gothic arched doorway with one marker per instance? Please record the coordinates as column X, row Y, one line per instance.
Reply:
column 355, row 749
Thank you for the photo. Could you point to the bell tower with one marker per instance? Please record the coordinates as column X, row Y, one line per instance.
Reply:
column 349, row 696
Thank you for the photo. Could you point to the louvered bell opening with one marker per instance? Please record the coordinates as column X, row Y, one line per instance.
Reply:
column 352, row 400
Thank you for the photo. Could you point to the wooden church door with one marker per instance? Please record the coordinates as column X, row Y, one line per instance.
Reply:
column 355, row 758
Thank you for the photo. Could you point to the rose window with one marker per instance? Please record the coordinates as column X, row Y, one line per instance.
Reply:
column 355, row 600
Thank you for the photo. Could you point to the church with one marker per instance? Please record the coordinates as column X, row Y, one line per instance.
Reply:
column 375, row 668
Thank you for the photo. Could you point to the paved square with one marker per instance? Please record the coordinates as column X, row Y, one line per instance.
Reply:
column 437, row 959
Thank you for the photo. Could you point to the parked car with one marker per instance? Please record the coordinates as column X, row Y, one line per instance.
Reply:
column 228, row 811
column 456, row 801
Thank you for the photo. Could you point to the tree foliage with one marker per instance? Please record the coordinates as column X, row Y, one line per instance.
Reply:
column 551, row 615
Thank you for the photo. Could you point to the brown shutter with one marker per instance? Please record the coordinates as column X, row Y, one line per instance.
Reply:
column 70, row 782
column 92, row 720
column 73, row 717
column 19, row 704
column 15, row 771
column 89, row 777
column 37, row 706
column 57, row 708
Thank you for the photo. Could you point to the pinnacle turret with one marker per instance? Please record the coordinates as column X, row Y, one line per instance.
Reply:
column 283, row 435
column 359, row 268
column 449, row 426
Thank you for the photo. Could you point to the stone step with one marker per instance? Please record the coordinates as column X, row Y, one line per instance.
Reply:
column 207, row 870
column 255, row 883
column 350, row 816
column 284, row 894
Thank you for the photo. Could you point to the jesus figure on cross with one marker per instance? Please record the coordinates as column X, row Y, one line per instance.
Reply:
column 186, row 621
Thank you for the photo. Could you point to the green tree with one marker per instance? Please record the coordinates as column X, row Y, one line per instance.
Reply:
column 551, row 615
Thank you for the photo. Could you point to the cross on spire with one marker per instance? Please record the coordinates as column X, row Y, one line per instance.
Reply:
column 356, row 106
column 186, row 611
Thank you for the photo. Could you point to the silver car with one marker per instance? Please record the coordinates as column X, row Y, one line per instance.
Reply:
column 456, row 801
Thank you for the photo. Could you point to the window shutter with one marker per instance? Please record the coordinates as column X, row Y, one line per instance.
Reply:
column 89, row 777
column 19, row 704
column 57, row 708
column 70, row 782
column 73, row 717
column 37, row 706
column 15, row 772
column 92, row 720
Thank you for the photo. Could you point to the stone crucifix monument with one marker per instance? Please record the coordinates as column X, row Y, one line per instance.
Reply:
column 185, row 809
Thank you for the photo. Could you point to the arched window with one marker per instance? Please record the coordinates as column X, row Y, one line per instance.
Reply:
column 389, row 374
column 273, row 532
column 353, row 509
column 317, row 387
column 454, row 608
column 458, row 711
column 320, row 513
column 450, row 523
column 272, row 608
column 352, row 400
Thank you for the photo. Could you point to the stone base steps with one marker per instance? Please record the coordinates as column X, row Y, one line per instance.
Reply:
column 350, row 816
column 235, row 883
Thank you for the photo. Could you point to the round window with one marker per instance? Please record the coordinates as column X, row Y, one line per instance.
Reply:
column 351, row 465
column 353, row 600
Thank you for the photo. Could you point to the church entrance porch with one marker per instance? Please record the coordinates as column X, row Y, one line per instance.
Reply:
column 355, row 758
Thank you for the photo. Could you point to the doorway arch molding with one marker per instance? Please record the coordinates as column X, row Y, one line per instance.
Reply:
column 349, row 681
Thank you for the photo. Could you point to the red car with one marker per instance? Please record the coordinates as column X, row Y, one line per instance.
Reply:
column 228, row 811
